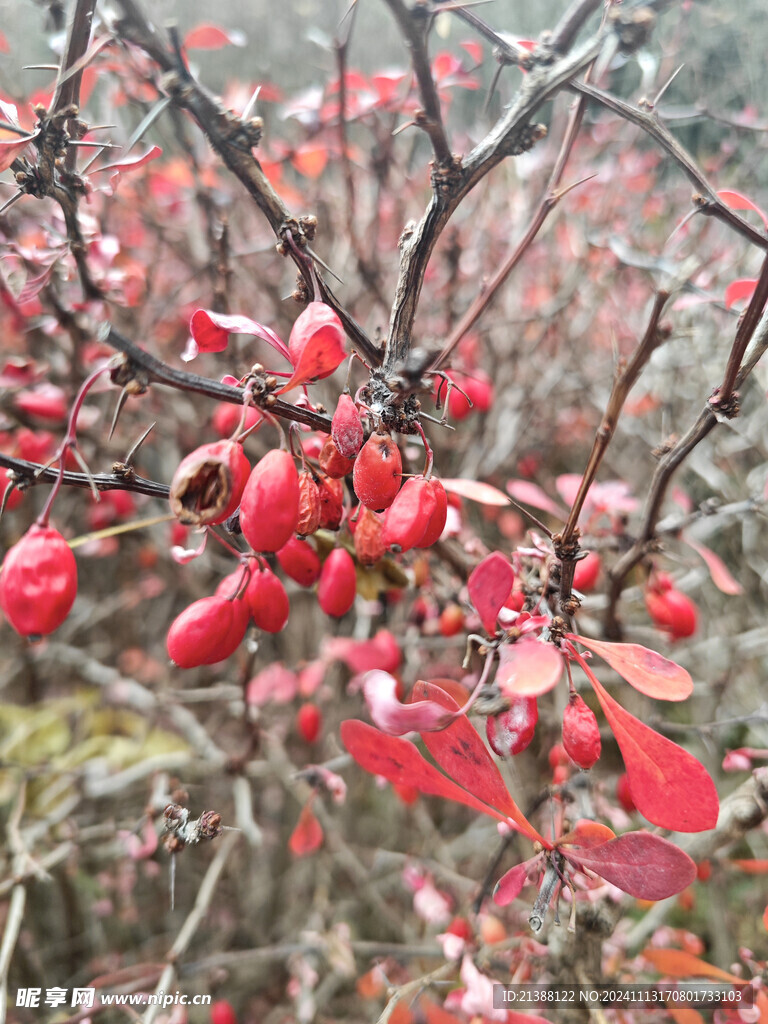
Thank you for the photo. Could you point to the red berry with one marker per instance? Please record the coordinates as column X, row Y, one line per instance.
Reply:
column 338, row 583
column 269, row 507
column 38, row 583
column 45, row 402
column 208, row 483
column 436, row 523
column 309, row 505
column 409, row 514
column 451, row 620
column 223, row 1012
column 624, row 793
column 377, row 472
column 512, row 731
column 672, row 610
column 308, row 722
column 226, row 419
column 299, row 560
column 587, row 572
column 369, row 537
column 347, row 428
column 268, row 601
column 557, row 756
column 209, row 630
column 232, row 589
column 332, row 462
column 581, row 733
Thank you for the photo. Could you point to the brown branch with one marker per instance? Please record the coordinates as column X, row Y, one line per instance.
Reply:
column 723, row 398
column 33, row 473
column 570, row 24
column 67, row 92
column 707, row 201
column 414, row 25
column 567, row 543
column 511, row 135
column 146, row 368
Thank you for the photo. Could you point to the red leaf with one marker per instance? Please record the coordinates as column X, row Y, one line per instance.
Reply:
column 668, row 785
column 475, row 490
column 511, row 884
column 489, row 587
column 13, row 146
column 741, row 289
column 316, row 345
column 737, row 201
column 587, row 833
column 639, row 863
column 210, row 331
column 212, row 37
column 528, row 668
column 677, row 963
column 718, row 570
column 399, row 762
column 531, row 494
column 395, row 718
column 308, row 834
column 310, row 159
column 474, row 49
column 130, row 163
column 647, row 671
column 462, row 754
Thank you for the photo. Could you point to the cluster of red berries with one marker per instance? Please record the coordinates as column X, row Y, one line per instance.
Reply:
column 279, row 507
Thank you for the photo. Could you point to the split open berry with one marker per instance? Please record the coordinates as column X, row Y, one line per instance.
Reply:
column 207, row 485
column 410, row 514
column 299, row 560
column 347, row 428
column 268, row 601
column 206, row 632
column 269, row 507
column 309, row 721
column 512, row 731
column 581, row 733
column 338, row 583
column 377, row 472
column 369, row 537
column 38, row 583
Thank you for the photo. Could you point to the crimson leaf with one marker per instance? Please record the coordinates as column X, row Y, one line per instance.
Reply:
column 639, row 863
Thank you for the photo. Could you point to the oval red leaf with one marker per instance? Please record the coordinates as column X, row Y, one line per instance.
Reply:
column 737, row 201
column 528, row 668
column 668, row 785
column 316, row 345
column 647, row 671
column 531, row 494
column 211, row 331
column 475, row 490
column 639, row 863
column 718, row 570
column 510, row 885
column 743, row 288
column 462, row 754
column 587, row 833
column 399, row 762
column 308, row 834
column 489, row 587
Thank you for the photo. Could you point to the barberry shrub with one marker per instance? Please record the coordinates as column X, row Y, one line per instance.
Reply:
column 421, row 414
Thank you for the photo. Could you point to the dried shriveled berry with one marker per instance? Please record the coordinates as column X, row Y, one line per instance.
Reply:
column 209, row 630
column 269, row 508
column 369, row 537
column 512, row 731
column 331, row 503
column 338, row 583
column 347, row 428
column 299, row 560
column 38, row 583
column 377, row 472
column 309, row 505
column 268, row 601
column 409, row 514
column 581, row 733
column 208, row 484
column 332, row 462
